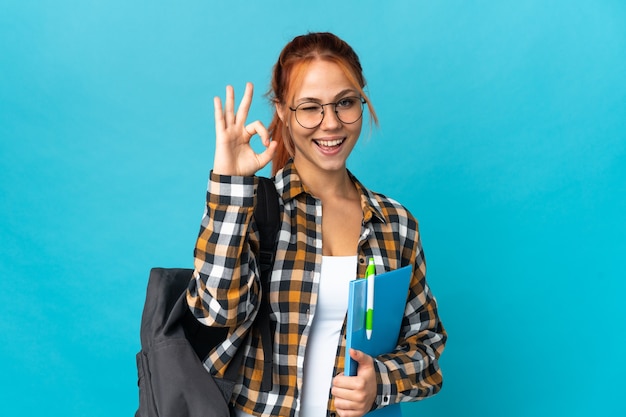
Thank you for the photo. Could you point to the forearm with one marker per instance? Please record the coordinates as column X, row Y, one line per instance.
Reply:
column 409, row 375
column 224, row 289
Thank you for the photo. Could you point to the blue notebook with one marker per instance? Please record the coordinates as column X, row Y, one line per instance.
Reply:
column 390, row 293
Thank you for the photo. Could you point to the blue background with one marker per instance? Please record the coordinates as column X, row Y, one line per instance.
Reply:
column 502, row 127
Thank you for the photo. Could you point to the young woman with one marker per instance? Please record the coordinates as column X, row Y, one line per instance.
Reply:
column 331, row 224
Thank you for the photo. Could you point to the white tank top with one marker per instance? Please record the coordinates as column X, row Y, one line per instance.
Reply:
column 321, row 350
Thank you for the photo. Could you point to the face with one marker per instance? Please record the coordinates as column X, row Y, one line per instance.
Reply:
column 326, row 147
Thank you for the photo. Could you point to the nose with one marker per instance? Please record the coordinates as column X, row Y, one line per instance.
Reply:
column 330, row 121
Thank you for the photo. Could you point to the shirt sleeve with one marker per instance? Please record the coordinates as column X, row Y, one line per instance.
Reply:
column 224, row 291
column 412, row 371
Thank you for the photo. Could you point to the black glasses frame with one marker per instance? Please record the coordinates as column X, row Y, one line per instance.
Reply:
column 334, row 104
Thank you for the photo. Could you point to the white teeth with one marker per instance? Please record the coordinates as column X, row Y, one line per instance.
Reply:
column 330, row 143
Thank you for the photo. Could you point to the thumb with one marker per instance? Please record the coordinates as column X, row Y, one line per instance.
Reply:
column 267, row 155
column 363, row 359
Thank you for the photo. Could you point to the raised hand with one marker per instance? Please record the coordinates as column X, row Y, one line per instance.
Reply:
column 233, row 153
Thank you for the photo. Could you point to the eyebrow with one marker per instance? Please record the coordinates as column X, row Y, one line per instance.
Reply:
column 340, row 94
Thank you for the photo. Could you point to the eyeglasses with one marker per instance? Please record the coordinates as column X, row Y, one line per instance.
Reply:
column 310, row 114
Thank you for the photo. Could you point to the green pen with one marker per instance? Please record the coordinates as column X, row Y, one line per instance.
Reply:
column 369, row 314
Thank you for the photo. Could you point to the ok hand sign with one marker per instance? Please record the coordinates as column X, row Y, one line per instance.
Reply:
column 233, row 153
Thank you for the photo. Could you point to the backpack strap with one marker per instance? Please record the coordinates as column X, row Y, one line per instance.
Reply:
column 267, row 216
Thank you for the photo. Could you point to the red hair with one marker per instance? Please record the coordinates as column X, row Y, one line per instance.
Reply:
column 289, row 70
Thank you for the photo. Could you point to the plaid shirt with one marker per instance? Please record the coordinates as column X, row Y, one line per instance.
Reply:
column 225, row 291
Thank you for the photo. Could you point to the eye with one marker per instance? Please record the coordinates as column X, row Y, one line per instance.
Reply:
column 310, row 107
column 346, row 103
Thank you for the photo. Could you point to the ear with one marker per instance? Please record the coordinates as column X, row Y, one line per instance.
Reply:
column 280, row 111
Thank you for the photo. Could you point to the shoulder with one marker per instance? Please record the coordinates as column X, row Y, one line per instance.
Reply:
column 379, row 208
column 391, row 210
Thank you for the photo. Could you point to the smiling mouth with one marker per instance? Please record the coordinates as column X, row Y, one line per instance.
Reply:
column 329, row 144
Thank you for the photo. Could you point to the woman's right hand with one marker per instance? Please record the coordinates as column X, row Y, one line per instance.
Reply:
column 233, row 153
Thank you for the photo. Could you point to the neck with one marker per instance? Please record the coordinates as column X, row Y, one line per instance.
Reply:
column 323, row 184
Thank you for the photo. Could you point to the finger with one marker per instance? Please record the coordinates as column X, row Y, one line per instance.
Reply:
column 346, row 407
column 257, row 128
column 343, row 386
column 219, row 114
column 267, row 155
column 244, row 106
column 230, row 106
column 264, row 135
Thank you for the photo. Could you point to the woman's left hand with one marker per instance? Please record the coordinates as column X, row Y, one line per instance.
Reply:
column 355, row 395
